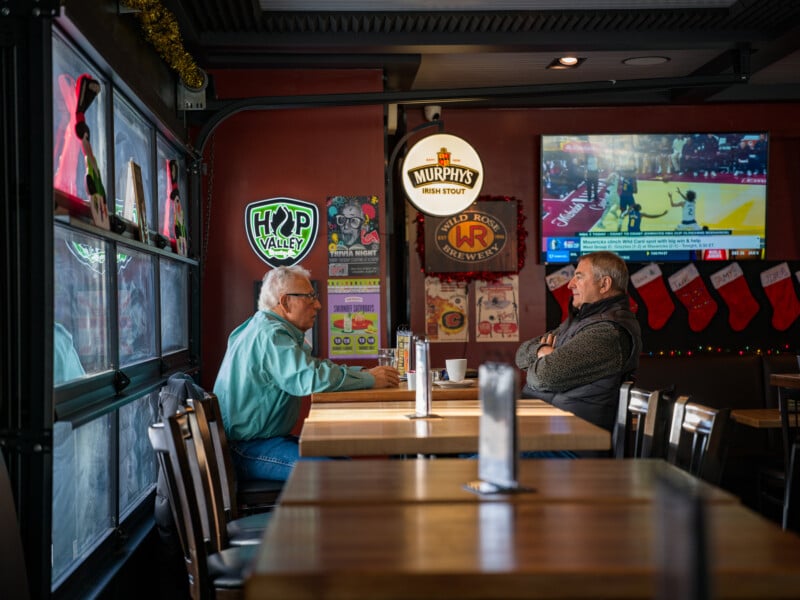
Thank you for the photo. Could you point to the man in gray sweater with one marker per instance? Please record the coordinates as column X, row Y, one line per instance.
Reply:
column 580, row 365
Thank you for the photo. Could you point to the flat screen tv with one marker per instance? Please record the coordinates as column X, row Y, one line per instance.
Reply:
column 654, row 197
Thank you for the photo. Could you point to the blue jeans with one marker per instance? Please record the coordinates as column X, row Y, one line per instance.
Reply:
column 270, row 458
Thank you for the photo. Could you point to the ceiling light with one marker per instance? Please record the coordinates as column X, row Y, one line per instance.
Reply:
column 645, row 61
column 566, row 62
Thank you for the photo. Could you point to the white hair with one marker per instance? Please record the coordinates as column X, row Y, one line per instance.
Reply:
column 276, row 283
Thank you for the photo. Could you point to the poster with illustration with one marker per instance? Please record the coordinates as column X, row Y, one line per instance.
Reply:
column 496, row 310
column 354, row 316
column 445, row 310
column 353, row 239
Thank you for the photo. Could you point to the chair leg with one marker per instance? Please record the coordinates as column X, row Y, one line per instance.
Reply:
column 791, row 509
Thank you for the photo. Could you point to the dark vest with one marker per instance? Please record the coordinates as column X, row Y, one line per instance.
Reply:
column 597, row 401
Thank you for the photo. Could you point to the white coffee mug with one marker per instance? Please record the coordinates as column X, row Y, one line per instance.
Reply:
column 456, row 368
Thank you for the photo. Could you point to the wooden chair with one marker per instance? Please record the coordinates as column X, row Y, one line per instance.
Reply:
column 13, row 577
column 230, row 527
column 212, row 574
column 790, row 431
column 241, row 496
column 697, row 438
column 642, row 422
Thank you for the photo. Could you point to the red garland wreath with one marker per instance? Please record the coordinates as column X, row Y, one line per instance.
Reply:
column 468, row 276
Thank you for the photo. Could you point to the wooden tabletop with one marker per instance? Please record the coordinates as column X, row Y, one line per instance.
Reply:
column 399, row 394
column 367, row 430
column 492, row 550
column 760, row 418
column 787, row 380
column 442, row 480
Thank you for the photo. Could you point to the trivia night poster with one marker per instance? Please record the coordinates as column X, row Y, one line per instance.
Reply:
column 354, row 242
column 354, row 311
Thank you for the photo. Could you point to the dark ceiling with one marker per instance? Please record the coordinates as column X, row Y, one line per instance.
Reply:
column 495, row 53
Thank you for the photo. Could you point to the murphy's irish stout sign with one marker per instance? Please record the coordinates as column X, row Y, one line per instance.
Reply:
column 442, row 175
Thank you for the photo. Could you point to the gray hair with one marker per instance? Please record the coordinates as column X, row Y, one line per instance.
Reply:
column 277, row 282
column 611, row 265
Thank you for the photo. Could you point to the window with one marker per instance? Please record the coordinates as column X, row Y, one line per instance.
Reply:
column 168, row 195
column 132, row 143
column 136, row 306
column 68, row 157
column 174, row 307
column 80, row 305
column 119, row 307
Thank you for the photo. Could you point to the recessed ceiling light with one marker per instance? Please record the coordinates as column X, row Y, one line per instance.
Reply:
column 645, row 61
column 566, row 62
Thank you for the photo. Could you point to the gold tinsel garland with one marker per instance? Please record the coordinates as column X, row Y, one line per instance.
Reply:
column 161, row 30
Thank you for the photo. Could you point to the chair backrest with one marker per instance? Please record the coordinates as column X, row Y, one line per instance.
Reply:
column 642, row 422
column 790, row 430
column 173, row 442
column 789, row 407
column 697, row 438
column 13, row 576
column 215, row 441
column 257, row 495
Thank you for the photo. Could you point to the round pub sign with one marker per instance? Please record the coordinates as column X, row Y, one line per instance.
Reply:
column 442, row 175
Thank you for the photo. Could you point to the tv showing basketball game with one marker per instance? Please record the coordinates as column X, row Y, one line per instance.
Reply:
column 654, row 197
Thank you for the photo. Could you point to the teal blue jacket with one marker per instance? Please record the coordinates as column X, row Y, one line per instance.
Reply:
column 266, row 370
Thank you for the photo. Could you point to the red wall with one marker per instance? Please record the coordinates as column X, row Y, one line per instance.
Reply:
column 508, row 144
column 311, row 154
column 307, row 154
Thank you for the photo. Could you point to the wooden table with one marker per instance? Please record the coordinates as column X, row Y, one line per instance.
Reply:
column 785, row 380
column 767, row 418
column 760, row 418
column 493, row 550
column 551, row 480
column 369, row 430
column 398, row 394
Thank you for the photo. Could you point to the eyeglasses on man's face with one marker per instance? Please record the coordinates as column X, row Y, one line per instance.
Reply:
column 308, row 295
column 352, row 222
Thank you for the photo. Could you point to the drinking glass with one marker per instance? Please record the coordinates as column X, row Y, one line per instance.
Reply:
column 387, row 357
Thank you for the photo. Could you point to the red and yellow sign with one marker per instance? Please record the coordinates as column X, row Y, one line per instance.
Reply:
column 482, row 238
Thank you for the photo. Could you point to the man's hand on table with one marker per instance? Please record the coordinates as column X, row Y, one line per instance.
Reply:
column 385, row 377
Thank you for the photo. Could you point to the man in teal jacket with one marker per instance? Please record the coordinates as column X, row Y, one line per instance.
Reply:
column 266, row 370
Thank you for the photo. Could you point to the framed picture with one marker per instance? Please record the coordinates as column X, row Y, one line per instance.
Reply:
column 312, row 335
column 136, row 188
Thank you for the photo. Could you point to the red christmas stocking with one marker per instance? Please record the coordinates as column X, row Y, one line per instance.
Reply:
column 557, row 284
column 693, row 293
column 649, row 282
column 779, row 288
column 732, row 286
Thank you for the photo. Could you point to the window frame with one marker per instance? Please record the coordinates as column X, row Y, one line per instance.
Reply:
column 85, row 399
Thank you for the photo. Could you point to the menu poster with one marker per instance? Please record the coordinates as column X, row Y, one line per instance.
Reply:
column 354, row 242
column 354, row 315
column 445, row 310
column 496, row 310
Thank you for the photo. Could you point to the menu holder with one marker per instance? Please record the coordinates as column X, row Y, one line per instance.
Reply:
column 404, row 349
column 498, row 456
column 681, row 541
column 424, row 383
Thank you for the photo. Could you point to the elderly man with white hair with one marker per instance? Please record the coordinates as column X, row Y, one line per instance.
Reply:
column 266, row 370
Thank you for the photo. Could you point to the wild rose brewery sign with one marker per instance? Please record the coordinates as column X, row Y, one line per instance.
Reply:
column 442, row 175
